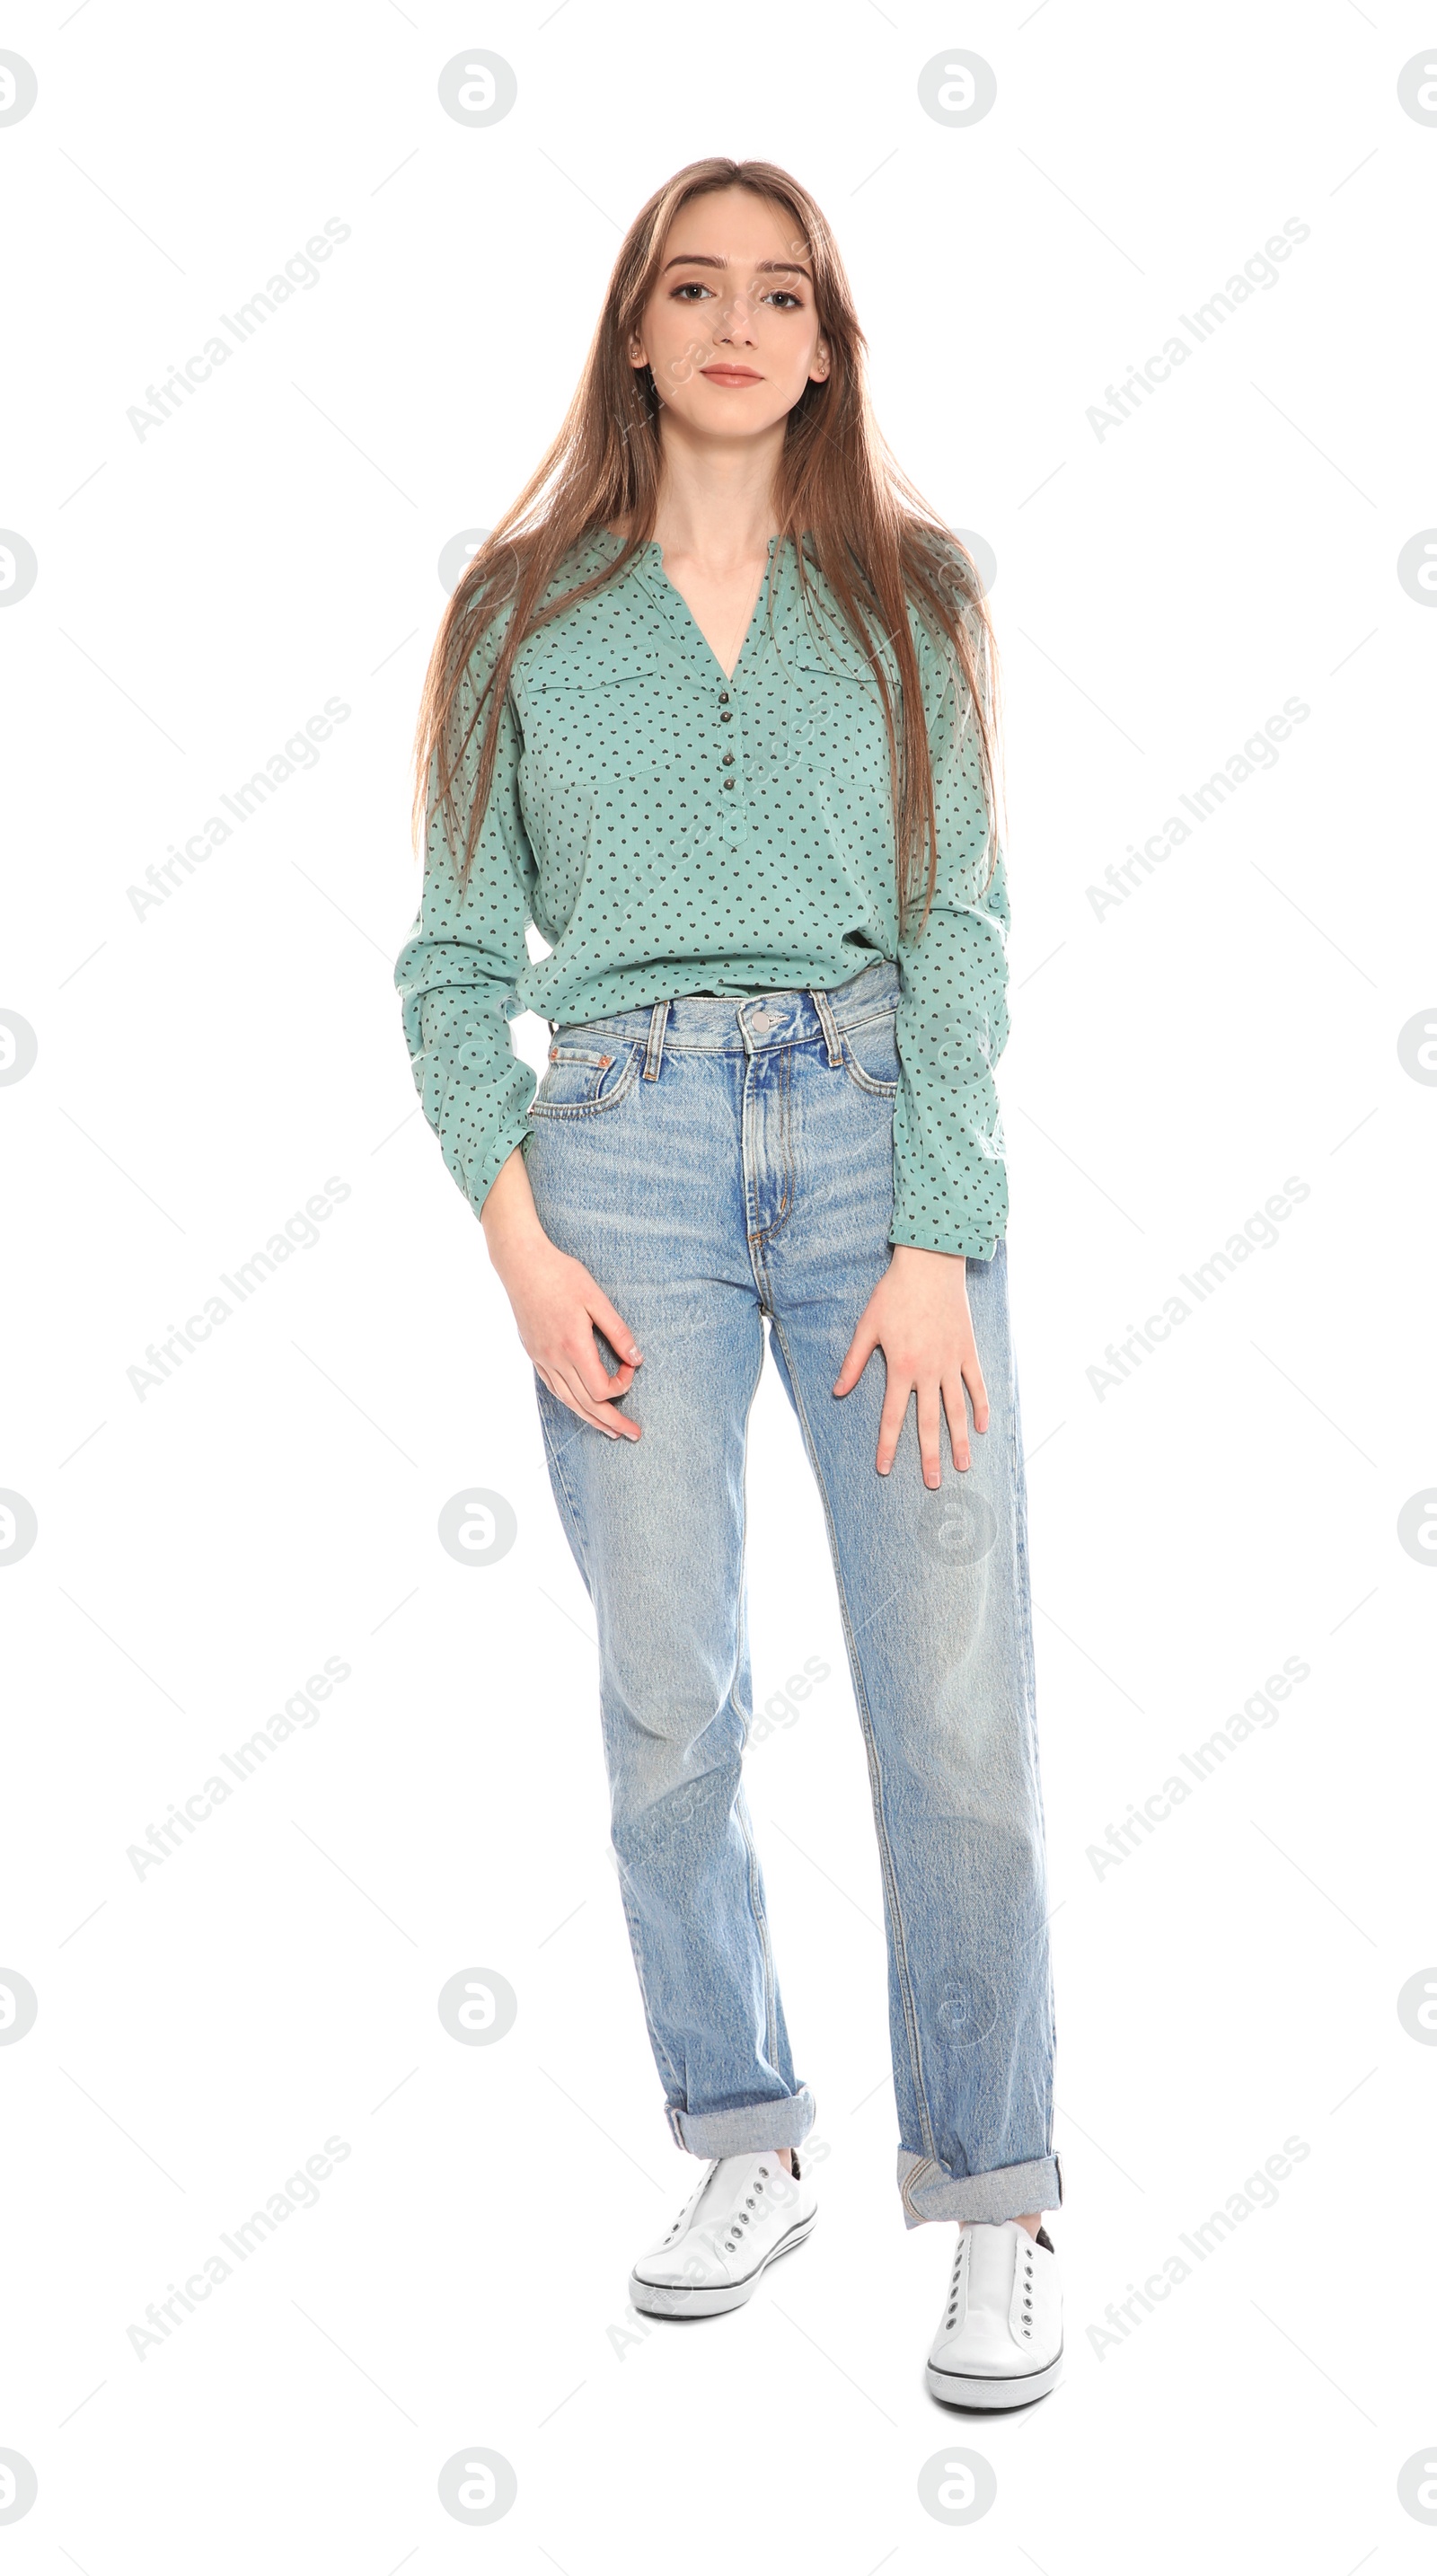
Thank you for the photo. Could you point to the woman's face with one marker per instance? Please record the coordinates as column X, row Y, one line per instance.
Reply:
column 730, row 328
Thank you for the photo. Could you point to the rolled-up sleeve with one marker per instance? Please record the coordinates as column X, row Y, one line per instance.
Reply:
column 950, row 1175
column 458, row 971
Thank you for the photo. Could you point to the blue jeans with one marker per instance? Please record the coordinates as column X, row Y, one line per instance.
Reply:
column 712, row 1161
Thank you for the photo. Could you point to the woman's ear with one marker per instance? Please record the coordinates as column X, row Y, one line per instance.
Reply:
column 818, row 372
column 636, row 351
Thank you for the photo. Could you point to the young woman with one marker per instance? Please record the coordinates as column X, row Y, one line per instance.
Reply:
column 713, row 710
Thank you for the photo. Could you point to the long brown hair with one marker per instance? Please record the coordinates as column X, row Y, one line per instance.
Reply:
column 838, row 493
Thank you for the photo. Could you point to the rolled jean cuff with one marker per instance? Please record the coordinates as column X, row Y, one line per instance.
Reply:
column 746, row 2131
column 1010, row 2191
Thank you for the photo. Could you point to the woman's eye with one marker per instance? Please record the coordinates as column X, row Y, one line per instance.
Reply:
column 692, row 286
column 781, row 295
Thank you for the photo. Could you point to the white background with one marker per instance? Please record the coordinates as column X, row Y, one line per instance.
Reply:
column 205, row 1067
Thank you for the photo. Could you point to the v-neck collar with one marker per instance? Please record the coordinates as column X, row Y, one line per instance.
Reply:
column 648, row 564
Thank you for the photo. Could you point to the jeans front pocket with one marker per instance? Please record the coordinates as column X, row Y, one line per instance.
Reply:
column 581, row 1081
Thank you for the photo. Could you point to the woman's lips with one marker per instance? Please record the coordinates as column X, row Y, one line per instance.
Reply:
column 732, row 375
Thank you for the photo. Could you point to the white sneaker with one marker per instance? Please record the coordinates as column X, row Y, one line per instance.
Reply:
column 1000, row 2342
column 747, row 2211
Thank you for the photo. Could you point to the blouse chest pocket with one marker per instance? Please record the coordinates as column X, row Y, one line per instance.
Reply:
column 581, row 1081
column 839, row 713
column 582, row 727
column 870, row 1054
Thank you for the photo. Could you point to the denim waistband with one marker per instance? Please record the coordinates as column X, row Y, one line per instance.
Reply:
column 746, row 1023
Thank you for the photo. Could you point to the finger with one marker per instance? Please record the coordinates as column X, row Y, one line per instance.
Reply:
column 570, row 1389
column 591, row 1410
column 573, row 1397
column 583, row 1362
column 611, row 1323
column 891, row 1420
column 973, row 1378
column 930, row 1420
column 864, row 1342
column 957, row 1412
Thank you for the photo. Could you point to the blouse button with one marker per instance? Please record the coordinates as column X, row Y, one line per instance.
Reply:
column 723, row 697
column 728, row 760
column 727, row 717
column 729, row 782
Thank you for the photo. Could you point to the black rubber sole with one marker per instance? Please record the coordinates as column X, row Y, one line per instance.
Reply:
column 956, row 2388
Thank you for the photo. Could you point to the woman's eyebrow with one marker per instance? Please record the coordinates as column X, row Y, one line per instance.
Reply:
column 762, row 267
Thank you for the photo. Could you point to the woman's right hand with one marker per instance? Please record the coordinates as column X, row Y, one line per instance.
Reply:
column 557, row 1303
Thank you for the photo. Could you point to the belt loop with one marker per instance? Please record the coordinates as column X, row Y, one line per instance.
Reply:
column 829, row 1024
column 654, row 1051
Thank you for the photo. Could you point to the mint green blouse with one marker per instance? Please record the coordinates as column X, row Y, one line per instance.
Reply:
column 667, row 830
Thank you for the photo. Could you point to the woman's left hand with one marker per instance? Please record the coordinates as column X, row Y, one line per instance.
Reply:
column 919, row 1314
